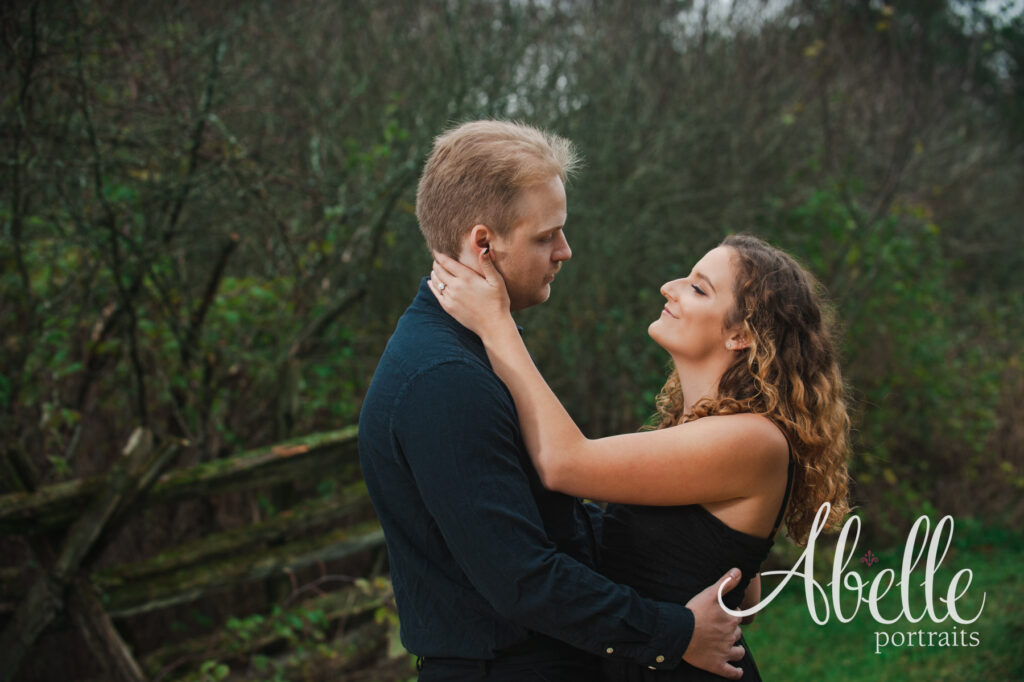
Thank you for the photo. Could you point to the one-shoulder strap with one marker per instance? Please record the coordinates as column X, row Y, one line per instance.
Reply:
column 789, row 488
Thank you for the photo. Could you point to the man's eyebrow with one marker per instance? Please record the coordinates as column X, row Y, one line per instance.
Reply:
column 703, row 277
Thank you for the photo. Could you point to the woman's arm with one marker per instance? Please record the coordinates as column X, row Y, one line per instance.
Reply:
column 751, row 597
column 711, row 459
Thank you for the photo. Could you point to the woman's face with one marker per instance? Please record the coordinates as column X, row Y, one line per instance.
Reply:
column 692, row 325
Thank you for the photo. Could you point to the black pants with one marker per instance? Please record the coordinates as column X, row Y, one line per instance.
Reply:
column 447, row 670
column 543, row 663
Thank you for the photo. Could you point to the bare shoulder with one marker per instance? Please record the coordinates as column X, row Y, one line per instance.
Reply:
column 753, row 438
column 759, row 459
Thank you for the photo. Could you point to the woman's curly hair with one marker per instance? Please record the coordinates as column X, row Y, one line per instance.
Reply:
column 790, row 374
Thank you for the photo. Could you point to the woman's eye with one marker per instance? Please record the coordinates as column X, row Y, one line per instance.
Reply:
column 698, row 289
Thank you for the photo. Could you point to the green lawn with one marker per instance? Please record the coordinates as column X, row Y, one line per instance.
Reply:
column 789, row 645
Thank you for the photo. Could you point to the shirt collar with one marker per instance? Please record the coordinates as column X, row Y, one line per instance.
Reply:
column 426, row 302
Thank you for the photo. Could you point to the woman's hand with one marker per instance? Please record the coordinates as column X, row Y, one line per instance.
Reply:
column 479, row 302
column 752, row 597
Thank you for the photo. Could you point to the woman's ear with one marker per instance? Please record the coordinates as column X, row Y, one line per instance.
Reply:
column 737, row 341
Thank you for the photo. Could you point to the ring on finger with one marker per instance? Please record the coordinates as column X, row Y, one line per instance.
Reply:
column 441, row 287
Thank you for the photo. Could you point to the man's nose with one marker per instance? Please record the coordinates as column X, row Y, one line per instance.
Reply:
column 562, row 251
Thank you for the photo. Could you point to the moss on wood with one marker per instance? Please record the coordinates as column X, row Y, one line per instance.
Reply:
column 191, row 583
column 310, row 515
column 53, row 507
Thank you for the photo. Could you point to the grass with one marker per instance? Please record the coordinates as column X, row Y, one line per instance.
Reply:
column 788, row 645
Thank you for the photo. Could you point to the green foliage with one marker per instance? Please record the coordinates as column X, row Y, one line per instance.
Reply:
column 286, row 642
column 232, row 273
column 924, row 394
column 213, row 670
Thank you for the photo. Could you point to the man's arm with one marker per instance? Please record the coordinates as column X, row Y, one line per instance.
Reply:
column 457, row 428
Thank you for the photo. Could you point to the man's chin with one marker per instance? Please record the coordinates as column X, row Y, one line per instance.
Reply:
column 532, row 299
column 544, row 294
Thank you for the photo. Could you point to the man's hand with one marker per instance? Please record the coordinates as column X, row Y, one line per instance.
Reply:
column 715, row 632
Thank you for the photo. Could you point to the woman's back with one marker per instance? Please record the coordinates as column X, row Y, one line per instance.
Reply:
column 671, row 554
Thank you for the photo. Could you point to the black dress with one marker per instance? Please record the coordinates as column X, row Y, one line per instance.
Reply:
column 672, row 554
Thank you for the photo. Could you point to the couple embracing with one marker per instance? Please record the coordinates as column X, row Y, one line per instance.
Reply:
column 476, row 470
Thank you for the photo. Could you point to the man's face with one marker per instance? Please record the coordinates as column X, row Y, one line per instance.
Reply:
column 530, row 256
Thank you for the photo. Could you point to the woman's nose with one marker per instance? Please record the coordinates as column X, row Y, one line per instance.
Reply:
column 668, row 289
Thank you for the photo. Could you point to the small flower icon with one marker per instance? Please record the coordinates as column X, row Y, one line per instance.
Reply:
column 869, row 559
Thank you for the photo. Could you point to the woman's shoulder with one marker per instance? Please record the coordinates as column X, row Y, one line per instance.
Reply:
column 754, row 438
column 760, row 459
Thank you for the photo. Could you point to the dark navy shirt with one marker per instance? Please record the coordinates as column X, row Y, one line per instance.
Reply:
column 482, row 555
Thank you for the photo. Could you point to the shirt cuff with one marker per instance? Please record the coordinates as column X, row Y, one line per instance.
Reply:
column 668, row 643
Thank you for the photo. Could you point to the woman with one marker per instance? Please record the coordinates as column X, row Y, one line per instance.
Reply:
column 753, row 426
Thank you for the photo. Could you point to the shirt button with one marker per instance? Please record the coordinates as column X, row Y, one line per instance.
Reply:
column 659, row 659
column 609, row 650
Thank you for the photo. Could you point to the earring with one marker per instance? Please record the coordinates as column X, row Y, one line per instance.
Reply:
column 730, row 345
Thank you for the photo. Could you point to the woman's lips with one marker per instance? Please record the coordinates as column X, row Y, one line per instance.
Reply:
column 668, row 312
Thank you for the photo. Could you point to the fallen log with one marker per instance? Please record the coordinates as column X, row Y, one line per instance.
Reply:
column 45, row 600
column 300, row 520
column 53, row 507
column 193, row 582
column 100, row 635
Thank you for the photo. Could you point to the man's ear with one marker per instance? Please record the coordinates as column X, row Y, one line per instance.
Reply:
column 480, row 237
column 476, row 240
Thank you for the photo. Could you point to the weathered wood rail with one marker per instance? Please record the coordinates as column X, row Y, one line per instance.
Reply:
column 85, row 513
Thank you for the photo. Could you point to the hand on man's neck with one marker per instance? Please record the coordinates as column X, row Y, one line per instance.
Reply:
column 469, row 258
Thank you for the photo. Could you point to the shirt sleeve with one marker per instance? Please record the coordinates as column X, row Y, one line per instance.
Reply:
column 456, row 424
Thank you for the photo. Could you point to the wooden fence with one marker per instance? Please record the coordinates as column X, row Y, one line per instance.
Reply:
column 66, row 526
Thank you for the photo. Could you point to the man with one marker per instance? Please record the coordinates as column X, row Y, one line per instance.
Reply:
column 493, row 574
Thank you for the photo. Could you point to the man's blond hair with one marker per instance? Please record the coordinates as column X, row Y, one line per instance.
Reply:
column 475, row 173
